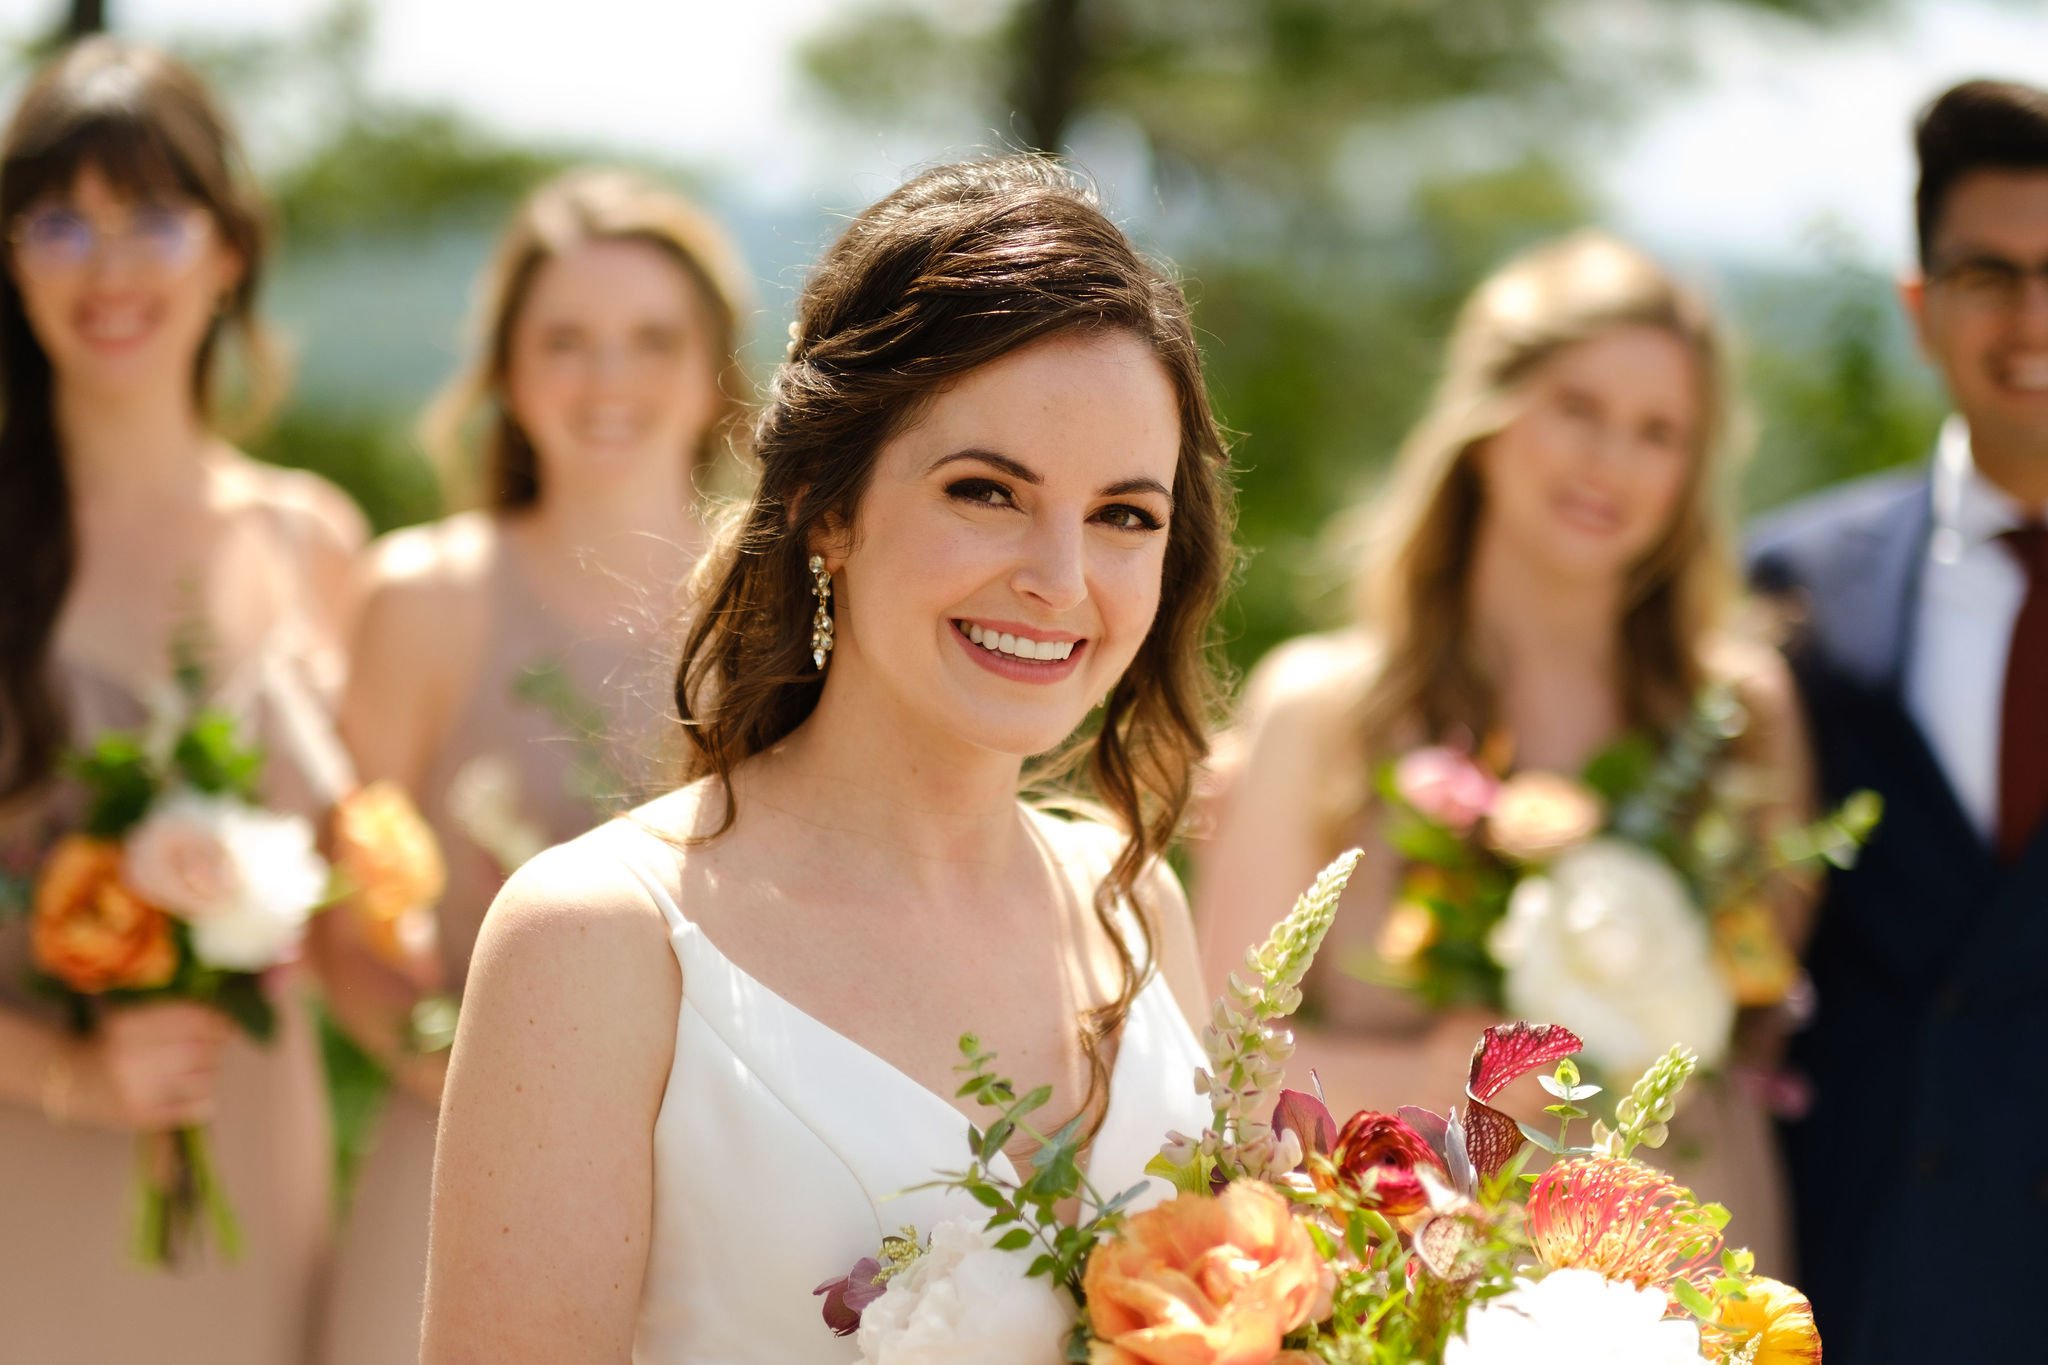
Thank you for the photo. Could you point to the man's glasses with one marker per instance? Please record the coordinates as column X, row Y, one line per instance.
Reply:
column 1988, row 281
column 49, row 240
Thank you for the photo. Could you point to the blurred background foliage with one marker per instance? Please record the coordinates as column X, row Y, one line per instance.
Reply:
column 1331, row 177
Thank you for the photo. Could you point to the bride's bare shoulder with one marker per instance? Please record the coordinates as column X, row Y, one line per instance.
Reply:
column 583, row 911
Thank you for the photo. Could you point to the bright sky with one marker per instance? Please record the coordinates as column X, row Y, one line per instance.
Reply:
column 1782, row 131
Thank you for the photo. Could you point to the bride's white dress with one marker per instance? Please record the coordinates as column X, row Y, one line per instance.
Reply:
column 783, row 1149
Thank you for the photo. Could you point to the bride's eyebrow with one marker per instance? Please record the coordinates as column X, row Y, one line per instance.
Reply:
column 1016, row 469
column 1024, row 473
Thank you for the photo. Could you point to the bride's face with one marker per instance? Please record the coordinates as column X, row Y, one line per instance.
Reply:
column 1005, row 560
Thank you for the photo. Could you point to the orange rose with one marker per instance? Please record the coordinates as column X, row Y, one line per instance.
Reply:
column 91, row 932
column 1203, row 1281
column 390, row 862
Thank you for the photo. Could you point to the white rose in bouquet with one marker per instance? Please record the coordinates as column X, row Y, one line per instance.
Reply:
column 245, row 880
column 1575, row 1317
column 965, row 1303
column 1608, row 943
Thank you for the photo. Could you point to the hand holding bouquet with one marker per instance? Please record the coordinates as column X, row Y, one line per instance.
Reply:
column 179, row 892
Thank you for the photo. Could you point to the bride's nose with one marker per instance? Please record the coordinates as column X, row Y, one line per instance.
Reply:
column 1051, row 570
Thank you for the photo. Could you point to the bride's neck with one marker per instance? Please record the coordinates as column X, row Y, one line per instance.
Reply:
column 871, row 779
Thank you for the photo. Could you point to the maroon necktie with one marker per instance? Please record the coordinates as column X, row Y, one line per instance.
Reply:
column 2023, row 723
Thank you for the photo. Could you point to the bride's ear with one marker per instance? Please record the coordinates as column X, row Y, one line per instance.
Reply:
column 831, row 539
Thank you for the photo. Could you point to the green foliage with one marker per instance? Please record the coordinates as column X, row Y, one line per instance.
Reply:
column 368, row 455
column 120, row 783
column 1027, row 1213
column 210, row 756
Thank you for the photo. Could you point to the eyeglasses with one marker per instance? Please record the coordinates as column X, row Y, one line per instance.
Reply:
column 1988, row 281
column 47, row 240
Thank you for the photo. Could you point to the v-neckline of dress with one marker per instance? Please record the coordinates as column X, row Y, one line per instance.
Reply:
column 1002, row 1165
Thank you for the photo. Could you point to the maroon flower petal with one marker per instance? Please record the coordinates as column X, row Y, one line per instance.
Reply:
column 1491, row 1138
column 1309, row 1119
column 1507, row 1052
column 849, row 1295
column 1432, row 1125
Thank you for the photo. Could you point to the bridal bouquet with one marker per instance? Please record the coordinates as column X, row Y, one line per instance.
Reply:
column 1390, row 1239
column 177, row 886
column 1629, row 903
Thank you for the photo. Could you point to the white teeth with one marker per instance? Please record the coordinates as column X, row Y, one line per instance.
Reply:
column 1018, row 646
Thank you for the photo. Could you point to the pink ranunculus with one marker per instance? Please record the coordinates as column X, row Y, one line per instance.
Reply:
column 1445, row 786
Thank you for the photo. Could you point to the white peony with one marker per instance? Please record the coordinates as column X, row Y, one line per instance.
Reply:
column 1608, row 943
column 965, row 1303
column 245, row 880
column 1575, row 1317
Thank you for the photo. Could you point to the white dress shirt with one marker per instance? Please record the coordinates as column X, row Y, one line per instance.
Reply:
column 1971, row 590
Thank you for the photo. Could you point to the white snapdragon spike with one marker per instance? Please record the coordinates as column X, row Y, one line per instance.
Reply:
column 965, row 1303
column 1575, row 1317
column 1247, row 1054
column 1022, row 647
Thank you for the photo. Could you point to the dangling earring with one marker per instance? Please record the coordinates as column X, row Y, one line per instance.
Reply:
column 821, row 620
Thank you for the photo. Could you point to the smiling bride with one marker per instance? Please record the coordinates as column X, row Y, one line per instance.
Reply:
column 705, row 1046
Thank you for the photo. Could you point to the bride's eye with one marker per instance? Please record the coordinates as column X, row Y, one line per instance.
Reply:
column 1126, row 517
column 981, row 492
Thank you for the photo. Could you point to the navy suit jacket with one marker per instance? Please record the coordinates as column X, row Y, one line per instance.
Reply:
column 1920, row 1177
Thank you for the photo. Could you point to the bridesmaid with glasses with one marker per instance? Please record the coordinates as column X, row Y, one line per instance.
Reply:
column 133, row 250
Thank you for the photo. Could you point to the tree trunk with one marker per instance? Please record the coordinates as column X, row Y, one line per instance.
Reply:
column 85, row 16
column 1054, row 55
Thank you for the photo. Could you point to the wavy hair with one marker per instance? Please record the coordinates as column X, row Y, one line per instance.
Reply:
column 962, row 265
column 149, row 126
column 1414, row 590
column 580, row 206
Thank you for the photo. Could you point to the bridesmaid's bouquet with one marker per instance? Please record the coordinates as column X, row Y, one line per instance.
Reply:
column 1390, row 1239
column 178, row 885
column 1630, row 902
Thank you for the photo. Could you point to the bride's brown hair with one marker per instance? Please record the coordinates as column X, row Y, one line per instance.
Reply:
column 959, row 267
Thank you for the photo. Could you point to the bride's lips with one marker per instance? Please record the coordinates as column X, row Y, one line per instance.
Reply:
column 1016, row 669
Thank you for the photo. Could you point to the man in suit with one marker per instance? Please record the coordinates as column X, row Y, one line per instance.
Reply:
column 1920, row 611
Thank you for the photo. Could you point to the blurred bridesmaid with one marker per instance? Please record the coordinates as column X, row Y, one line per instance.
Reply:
column 504, row 670
column 134, row 247
column 1550, row 570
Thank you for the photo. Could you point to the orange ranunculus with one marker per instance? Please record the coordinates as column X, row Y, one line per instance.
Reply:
column 1777, row 1316
column 391, row 864
column 1377, row 1157
column 1203, row 1281
column 91, row 932
column 1755, row 961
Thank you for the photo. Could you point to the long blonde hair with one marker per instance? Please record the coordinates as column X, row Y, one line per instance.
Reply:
column 576, row 207
column 1413, row 594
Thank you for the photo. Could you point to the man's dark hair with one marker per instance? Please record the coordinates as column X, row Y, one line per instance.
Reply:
column 1975, row 126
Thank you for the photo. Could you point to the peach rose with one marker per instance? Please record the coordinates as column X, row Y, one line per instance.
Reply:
column 90, row 931
column 1203, row 1281
column 1538, row 815
column 178, row 858
column 391, row 863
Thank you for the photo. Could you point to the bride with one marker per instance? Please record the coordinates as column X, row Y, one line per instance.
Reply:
column 992, row 499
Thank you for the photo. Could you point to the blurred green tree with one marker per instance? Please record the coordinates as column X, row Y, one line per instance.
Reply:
column 1335, row 175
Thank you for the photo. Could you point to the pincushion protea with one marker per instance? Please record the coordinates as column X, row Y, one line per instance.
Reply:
column 1625, row 1220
